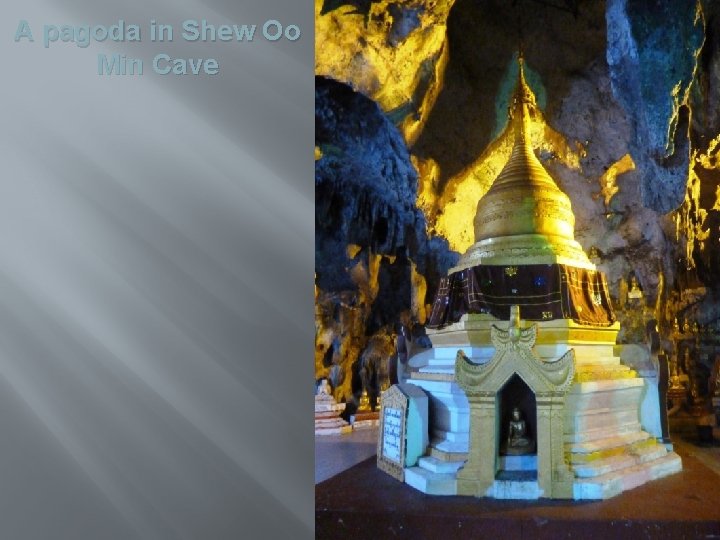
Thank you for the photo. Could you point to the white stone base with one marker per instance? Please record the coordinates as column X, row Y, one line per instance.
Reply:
column 613, row 483
column 603, row 414
column 328, row 406
column 366, row 424
column 340, row 430
column 430, row 482
column 450, row 447
column 617, row 463
column 331, row 426
column 436, row 465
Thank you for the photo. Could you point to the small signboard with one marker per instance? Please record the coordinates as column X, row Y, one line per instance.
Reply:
column 403, row 436
column 392, row 434
column 391, row 437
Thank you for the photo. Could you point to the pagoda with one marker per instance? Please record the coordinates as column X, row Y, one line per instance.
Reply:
column 528, row 397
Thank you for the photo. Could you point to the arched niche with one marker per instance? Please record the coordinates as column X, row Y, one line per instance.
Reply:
column 483, row 384
column 515, row 393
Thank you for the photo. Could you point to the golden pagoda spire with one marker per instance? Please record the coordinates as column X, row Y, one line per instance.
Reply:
column 523, row 100
column 524, row 218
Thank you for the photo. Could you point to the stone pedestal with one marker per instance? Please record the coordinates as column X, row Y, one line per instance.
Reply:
column 327, row 413
column 366, row 419
column 677, row 398
column 601, row 418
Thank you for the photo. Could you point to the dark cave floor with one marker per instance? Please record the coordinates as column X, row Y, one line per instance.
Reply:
column 354, row 499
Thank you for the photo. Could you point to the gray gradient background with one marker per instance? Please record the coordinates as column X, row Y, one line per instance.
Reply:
column 156, row 268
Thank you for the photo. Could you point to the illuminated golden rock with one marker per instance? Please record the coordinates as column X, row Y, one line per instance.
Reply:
column 608, row 184
column 524, row 217
column 393, row 52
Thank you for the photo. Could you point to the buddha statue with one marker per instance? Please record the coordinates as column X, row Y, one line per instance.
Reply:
column 695, row 391
column 675, row 382
column 364, row 405
column 714, row 380
column 383, row 388
column 518, row 441
column 324, row 388
column 635, row 292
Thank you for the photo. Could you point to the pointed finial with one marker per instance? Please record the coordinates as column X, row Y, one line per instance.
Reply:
column 520, row 36
column 523, row 93
column 523, row 100
column 521, row 83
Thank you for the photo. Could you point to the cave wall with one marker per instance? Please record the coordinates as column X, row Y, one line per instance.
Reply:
column 392, row 51
column 411, row 111
column 375, row 266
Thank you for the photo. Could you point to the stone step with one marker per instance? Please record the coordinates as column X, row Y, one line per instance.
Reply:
column 594, row 368
column 639, row 446
column 605, row 386
column 448, row 456
column 631, row 458
column 431, row 375
column 324, row 406
column 600, row 365
column 582, row 351
column 518, row 463
column 365, row 424
column 436, row 465
column 439, row 387
column 430, row 482
column 588, row 447
column 329, row 422
column 512, row 489
column 325, row 415
column 612, row 483
column 599, row 372
column 341, row 430
column 436, row 369
column 600, row 419
column 603, row 394
column 447, row 355
column 450, row 447
column 603, row 360
column 595, row 434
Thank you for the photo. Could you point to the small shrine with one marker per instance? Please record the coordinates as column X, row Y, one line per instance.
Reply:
column 693, row 380
column 327, row 412
column 528, row 395
column 365, row 417
column 543, row 471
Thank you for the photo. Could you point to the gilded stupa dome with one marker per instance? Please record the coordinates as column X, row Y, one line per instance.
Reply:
column 524, row 218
